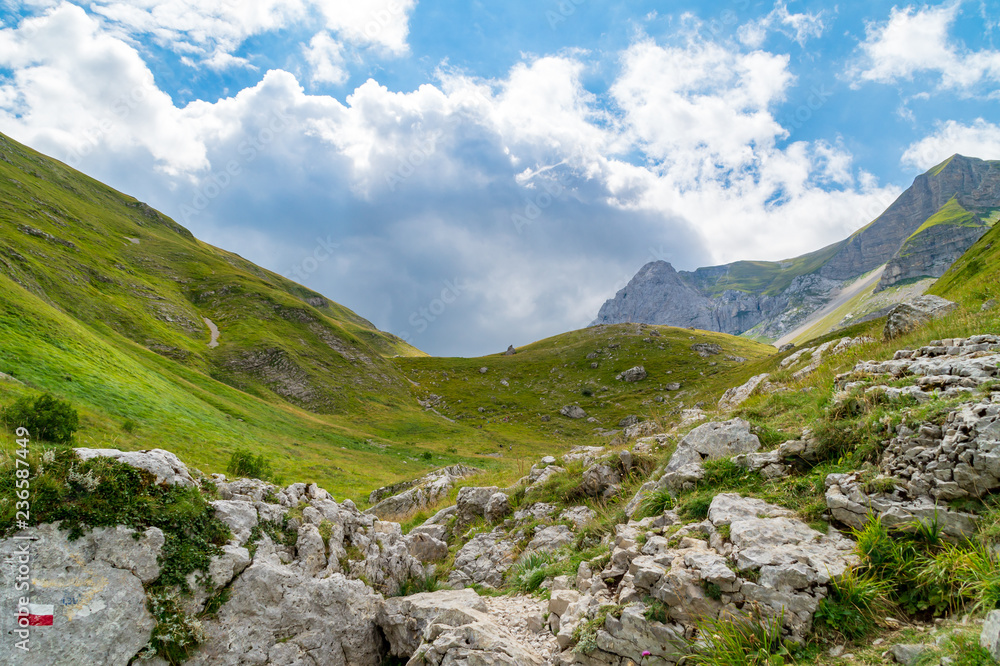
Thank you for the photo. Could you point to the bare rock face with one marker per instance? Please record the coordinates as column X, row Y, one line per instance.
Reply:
column 973, row 182
column 275, row 615
column 913, row 314
column 95, row 587
column 472, row 502
column 484, row 560
column 468, row 636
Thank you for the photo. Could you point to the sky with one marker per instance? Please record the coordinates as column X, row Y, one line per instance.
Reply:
column 469, row 175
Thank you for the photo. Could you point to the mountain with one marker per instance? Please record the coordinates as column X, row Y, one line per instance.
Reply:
column 920, row 235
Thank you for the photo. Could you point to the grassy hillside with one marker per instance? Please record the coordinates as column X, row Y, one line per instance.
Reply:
column 973, row 279
column 112, row 262
column 103, row 301
column 516, row 392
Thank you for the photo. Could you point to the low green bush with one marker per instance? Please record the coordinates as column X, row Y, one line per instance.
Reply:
column 243, row 463
column 46, row 417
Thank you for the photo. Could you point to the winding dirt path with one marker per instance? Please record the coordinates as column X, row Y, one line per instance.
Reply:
column 214, row 330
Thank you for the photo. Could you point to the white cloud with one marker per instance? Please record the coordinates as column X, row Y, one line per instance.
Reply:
column 917, row 41
column 799, row 27
column 209, row 32
column 978, row 139
column 76, row 88
column 326, row 58
column 417, row 187
column 381, row 23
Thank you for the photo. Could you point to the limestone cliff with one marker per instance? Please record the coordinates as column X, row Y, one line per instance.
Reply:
column 921, row 234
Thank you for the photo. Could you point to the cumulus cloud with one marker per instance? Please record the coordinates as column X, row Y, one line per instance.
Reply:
column 800, row 27
column 526, row 197
column 977, row 139
column 917, row 41
column 326, row 59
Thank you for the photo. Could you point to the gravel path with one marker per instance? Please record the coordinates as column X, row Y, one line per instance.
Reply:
column 512, row 614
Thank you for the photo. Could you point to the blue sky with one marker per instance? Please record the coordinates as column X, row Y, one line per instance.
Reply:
column 472, row 175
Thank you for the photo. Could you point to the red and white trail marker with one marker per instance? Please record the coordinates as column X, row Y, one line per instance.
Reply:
column 40, row 615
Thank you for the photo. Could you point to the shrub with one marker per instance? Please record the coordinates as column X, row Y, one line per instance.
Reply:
column 46, row 417
column 724, row 473
column 243, row 463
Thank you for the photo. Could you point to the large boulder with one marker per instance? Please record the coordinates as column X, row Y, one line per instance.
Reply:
column 573, row 412
column 96, row 592
column 497, row 508
column 634, row 374
column 164, row 465
column 712, row 441
column 915, row 313
column 404, row 619
column 601, row 480
column 484, row 560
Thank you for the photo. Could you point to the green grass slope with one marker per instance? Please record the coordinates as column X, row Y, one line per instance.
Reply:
column 111, row 262
column 103, row 302
column 517, row 392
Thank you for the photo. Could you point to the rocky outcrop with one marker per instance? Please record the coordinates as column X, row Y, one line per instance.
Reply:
column 915, row 313
column 748, row 553
column 164, row 465
column 854, row 502
column 426, row 491
column 403, row 620
column 736, row 396
column 468, row 636
column 710, row 441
